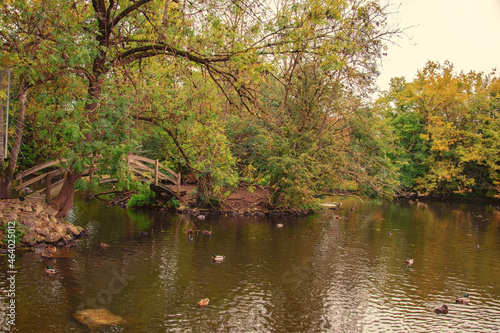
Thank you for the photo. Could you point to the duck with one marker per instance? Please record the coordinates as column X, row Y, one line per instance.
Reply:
column 50, row 271
column 463, row 300
column 477, row 246
column 207, row 232
column 200, row 217
column 409, row 261
column 389, row 233
column 442, row 309
column 104, row 246
column 48, row 251
column 279, row 225
column 143, row 233
column 203, row 302
column 217, row 258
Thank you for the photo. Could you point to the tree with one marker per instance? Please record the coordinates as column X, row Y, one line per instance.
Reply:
column 102, row 44
column 26, row 34
column 312, row 109
column 446, row 125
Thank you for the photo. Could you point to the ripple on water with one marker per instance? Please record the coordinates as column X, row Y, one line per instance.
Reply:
column 313, row 275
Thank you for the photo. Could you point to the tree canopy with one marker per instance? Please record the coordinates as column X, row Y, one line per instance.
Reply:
column 447, row 128
column 230, row 91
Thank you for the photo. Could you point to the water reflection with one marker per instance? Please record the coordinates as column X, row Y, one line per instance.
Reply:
column 341, row 271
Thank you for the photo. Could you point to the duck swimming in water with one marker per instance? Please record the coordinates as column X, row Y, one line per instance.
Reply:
column 48, row 251
column 50, row 271
column 217, row 258
column 463, row 300
column 442, row 309
column 203, row 302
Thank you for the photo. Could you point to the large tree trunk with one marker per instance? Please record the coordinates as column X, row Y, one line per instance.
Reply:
column 64, row 200
column 8, row 174
column 5, row 187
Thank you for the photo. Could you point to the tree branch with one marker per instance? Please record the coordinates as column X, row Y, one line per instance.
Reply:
column 127, row 11
column 156, row 49
column 174, row 138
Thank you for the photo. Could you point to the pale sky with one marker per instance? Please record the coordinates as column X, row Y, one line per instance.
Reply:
column 465, row 32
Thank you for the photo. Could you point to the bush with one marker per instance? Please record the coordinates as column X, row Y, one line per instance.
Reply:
column 19, row 231
column 173, row 203
column 143, row 198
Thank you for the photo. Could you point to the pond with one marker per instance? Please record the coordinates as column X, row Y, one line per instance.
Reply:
column 339, row 271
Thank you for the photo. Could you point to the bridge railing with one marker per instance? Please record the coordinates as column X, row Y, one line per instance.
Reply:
column 47, row 176
column 135, row 162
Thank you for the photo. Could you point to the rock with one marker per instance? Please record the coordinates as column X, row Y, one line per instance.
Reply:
column 41, row 222
column 37, row 208
column 53, row 237
column 39, row 238
column 65, row 240
column 73, row 243
column 43, row 216
column 10, row 216
column 29, row 238
column 42, row 231
column 96, row 318
column 16, row 207
column 73, row 229
column 59, row 228
column 50, row 211
column 28, row 220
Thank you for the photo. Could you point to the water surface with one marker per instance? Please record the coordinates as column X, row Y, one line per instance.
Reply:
column 339, row 271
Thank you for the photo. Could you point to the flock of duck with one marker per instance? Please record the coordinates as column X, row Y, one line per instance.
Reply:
column 460, row 300
column 218, row 259
column 444, row 308
column 50, row 250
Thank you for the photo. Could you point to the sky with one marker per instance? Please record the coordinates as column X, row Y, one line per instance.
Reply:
column 464, row 32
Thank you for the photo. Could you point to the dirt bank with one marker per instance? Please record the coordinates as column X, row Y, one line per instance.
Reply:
column 246, row 200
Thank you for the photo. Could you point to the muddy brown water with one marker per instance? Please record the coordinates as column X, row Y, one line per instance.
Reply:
column 339, row 271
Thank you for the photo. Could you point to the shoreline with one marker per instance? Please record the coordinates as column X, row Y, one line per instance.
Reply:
column 37, row 224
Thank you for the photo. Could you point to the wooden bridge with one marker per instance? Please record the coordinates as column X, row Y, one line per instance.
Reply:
column 136, row 163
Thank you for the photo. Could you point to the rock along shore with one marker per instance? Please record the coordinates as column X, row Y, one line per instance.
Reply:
column 41, row 224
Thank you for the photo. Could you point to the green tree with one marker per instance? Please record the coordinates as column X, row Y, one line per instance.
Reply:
column 104, row 45
column 446, row 125
column 30, row 40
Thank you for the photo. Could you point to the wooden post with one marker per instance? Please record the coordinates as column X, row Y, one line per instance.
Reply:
column 21, row 187
column 156, row 172
column 179, row 184
column 48, row 180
